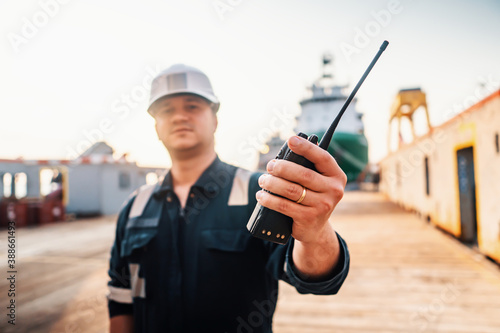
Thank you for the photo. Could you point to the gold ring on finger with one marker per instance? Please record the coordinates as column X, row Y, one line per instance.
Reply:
column 304, row 192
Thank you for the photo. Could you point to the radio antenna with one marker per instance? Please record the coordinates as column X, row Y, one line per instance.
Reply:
column 325, row 141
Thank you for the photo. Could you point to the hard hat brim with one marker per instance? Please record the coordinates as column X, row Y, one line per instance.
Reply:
column 208, row 97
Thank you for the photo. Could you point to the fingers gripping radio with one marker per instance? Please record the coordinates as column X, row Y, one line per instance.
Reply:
column 276, row 227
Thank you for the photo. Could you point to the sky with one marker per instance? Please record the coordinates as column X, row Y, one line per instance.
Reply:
column 76, row 72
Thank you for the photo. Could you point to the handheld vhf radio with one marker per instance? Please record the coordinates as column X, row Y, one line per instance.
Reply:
column 276, row 227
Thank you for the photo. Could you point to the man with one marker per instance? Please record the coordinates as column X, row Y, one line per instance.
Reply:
column 183, row 260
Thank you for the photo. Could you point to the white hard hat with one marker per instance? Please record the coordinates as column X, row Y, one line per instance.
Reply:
column 179, row 79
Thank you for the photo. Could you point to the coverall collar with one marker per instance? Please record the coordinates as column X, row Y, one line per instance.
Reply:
column 205, row 183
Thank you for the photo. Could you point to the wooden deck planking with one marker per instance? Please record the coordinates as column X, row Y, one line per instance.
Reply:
column 61, row 280
column 406, row 276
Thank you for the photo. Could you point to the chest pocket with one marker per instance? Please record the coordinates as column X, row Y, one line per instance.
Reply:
column 139, row 232
column 225, row 240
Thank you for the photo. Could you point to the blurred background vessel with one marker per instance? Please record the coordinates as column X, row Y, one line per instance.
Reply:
column 349, row 145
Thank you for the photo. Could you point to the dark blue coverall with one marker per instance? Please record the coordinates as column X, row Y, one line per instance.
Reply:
column 198, row 269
